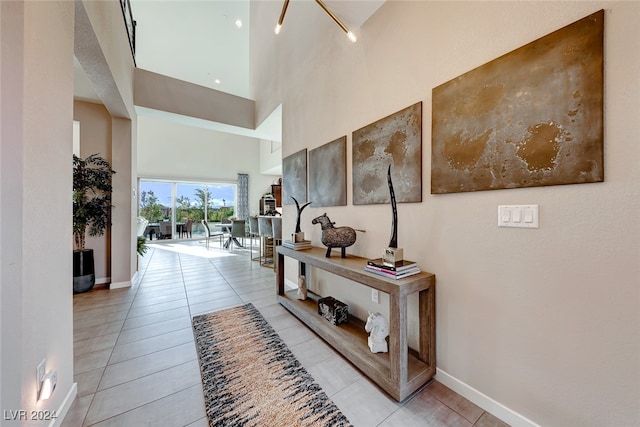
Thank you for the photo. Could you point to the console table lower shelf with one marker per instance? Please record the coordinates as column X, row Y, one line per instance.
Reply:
column 399, row 372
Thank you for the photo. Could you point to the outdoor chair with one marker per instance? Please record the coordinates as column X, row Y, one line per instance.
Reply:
column 165, row 230
column 186, row 229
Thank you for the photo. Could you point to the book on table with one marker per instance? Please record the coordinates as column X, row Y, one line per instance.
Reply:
column 392, row 274
column 305, row 244
column 403, row 265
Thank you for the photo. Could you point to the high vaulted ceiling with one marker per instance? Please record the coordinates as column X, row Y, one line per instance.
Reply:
column 195, row 41
column 199, row 41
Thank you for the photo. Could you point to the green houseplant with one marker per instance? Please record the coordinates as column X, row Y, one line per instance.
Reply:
column 142, row 247
column 92, row 186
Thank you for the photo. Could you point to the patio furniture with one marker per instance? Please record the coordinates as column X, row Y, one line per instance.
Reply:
column 186, row 229
column 165, row 230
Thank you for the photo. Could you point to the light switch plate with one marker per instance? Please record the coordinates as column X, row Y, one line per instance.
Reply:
column 520, row 216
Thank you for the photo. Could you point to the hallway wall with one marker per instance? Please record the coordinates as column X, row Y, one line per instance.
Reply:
column 543, row 324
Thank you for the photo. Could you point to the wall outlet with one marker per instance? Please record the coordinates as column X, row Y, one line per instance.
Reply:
column 40, row 372
column 374, row 295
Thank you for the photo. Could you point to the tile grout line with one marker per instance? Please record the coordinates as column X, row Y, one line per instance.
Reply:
column 93, row 395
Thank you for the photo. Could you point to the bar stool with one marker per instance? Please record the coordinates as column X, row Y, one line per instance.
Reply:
column 265, row 230
column 253, row 232
column 276, row 225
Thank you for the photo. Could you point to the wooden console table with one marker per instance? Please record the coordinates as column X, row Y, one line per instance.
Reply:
column 399, row 372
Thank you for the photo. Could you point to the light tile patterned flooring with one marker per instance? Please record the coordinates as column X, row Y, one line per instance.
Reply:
column 135, row 360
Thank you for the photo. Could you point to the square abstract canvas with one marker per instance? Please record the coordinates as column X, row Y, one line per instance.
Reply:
column 328, row 174
column 294, row 178
column 532, row 117
column 395, row 140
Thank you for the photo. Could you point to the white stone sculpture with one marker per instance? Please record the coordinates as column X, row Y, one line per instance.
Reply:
column 378, row 330
column 302, row 288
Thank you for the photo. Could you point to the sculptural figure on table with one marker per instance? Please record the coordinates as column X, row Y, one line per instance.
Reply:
column 378, row 330
column 335, row 237
column 302, row 288
column 298, row 236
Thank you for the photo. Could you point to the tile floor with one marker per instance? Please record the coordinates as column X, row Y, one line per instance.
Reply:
column 136, row 364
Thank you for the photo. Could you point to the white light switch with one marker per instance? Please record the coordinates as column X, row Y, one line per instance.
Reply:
column 516, row 213
column 505, row 214
column 524, row 216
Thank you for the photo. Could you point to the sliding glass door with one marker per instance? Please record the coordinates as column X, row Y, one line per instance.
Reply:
column 170, row 205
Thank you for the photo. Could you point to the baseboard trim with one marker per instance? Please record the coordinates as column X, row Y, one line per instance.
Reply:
column 103, row 280
column 64, row 407
column 482, row 400
column 290, row 284
column 120, row 285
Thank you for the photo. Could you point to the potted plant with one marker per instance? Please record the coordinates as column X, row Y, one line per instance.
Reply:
column 91, row 212
column 142, row 245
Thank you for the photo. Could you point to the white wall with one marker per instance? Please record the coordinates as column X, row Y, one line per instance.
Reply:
column 36, row 114
column 545, row 322
column 105, row 56
column 270, row 157
column 95, row 138
column 37, row 132
column 171, row 150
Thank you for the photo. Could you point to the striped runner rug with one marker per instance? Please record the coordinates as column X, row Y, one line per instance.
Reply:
column 251, row 378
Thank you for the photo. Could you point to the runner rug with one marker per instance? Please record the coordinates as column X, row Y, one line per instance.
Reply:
column 251, row 378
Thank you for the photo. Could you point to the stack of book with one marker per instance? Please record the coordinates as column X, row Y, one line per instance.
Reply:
column 297, row 246
column 402, row 269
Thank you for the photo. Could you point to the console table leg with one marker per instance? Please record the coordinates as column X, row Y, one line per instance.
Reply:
column 280, row 273
column 398, row 351
column 427, row 316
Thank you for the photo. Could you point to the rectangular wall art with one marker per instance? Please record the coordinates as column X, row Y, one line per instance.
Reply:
column 294, row 178
column 395, row 140
column 532, row 117
column 328, row 174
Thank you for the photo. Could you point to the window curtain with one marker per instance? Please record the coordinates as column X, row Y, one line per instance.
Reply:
column 243, row 196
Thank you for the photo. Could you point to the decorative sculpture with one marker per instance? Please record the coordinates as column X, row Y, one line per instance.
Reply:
column 392, row 255
column 299, row 235
column 335, row 237
column 378, row 330
column 393, row 242
column 302, row 288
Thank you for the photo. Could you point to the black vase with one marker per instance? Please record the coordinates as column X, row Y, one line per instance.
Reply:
column 84, row 273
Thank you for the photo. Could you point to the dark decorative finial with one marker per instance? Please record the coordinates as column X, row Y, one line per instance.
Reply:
column 298, row 229
column 393, row 243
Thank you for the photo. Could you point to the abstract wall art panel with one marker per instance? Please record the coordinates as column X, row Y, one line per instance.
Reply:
column 294, row 178
column 395, row 140
column 532, row 117
column 328, row 174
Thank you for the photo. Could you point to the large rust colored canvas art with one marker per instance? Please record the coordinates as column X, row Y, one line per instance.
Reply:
column 395, row 140
column 533, row 117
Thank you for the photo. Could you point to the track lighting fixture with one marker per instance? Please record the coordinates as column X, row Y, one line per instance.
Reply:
column 324, row 7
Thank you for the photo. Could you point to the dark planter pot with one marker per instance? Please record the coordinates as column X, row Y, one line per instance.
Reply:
column 84, row 273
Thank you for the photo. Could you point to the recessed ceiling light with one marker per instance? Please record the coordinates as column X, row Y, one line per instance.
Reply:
column 217, row 81
column 239, row 23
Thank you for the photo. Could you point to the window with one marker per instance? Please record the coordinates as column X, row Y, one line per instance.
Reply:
column 177, row 202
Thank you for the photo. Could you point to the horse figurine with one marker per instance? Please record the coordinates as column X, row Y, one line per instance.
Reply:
column 335, row 237
column 379, row 330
